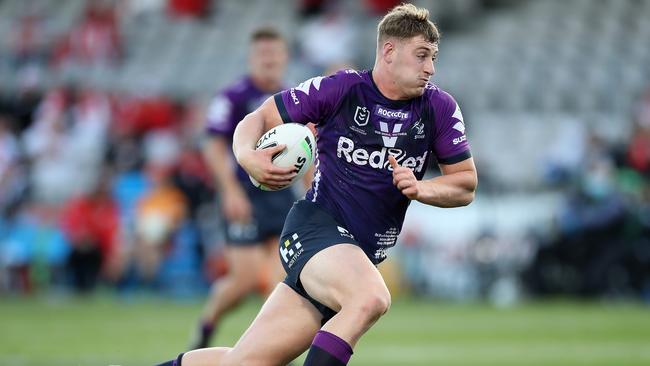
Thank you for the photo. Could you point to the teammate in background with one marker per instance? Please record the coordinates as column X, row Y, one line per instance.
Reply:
column 377, row 131
column 253, row 218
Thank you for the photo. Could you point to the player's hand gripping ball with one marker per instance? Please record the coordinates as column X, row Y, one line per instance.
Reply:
column 299, row 151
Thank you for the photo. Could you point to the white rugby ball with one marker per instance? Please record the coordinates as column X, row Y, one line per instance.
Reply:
column 299, row 152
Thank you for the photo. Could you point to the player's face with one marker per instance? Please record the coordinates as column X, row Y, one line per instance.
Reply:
column 268, row 60
column 413, row 65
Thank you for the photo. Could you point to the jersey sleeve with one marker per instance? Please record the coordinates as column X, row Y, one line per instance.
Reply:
column 450, row 144
column 220, row 116
column 314, row 99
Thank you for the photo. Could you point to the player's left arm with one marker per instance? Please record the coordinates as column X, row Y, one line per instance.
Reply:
column 454, row 188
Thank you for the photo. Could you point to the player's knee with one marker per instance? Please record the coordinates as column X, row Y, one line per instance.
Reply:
column 374, row 305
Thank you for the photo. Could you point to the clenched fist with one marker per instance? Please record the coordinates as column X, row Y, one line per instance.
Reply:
column 404, row 179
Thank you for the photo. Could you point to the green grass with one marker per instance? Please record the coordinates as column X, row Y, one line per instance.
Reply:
column 106, row 331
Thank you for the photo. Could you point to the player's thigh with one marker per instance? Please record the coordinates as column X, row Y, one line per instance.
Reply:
column 245, row 260
column 283, row 329
column 342, row 273
column 273, row 258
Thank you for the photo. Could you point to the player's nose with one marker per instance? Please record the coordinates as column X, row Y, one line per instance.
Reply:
column 429, row 69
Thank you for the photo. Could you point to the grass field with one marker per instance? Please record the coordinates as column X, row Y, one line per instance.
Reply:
column 107, row 331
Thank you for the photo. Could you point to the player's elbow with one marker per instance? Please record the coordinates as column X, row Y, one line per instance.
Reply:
column 467, row 198
column 467, row 194
column 470, row 192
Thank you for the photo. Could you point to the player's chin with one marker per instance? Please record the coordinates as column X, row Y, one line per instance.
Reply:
column 418, row 91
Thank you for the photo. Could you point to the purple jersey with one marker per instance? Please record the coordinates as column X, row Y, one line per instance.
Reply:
column 357, row 129
column 229, row 107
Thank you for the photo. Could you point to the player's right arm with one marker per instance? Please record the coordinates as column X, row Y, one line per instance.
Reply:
column 235, row 205
column 221, row 120
column 258, row 163
column 311, row 101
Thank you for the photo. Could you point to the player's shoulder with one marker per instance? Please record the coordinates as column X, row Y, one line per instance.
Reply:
column 436, row 95
column 237, row 89
column 438, row 98
column 347, row 78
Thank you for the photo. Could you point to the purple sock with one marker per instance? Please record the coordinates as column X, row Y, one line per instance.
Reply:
column 176, row 362
column 206, row 330
column 328, row 349
column 203, row 338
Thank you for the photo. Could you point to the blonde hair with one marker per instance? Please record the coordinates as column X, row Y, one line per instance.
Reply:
column 267, row 33
column 406, row 21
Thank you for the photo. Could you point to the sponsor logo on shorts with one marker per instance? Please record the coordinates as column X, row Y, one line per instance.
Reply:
column 344, row 232
column 290, row 250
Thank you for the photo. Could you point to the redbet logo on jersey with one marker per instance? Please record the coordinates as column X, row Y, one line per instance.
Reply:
column 299, row 152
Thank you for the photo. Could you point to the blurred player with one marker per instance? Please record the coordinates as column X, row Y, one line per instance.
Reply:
column 253, row 218
column 377, row 131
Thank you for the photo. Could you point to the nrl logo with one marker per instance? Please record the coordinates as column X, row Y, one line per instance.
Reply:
column 361, row 116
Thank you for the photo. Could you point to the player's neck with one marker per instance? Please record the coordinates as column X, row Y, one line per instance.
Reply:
column 265, row 85
column 386, row 85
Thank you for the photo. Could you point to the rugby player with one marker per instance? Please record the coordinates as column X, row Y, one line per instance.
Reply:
column 253, row 218
column 377, row 131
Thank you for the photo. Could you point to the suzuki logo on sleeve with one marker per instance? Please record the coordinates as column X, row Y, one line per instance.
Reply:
column 460, row 127
column 361, row 116
column 389, row 137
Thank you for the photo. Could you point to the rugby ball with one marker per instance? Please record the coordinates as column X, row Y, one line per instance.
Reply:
column 299, row 151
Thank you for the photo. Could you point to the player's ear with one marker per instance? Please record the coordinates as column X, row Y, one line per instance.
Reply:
column 388, row 51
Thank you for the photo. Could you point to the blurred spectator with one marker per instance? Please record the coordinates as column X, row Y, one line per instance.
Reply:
column 91, row 225
column 28, row 40
column 380, row 7
column 13, row 179
column 309, row 8
column 138, row 114
column 564, row 157
column 8, row 151
column 33, row 249
column 643, row 111
column 19, row 105
column 591, row 237
column 139, row 9
column 638, row 152
column 94, row 41
column 188, row 8
column 328, row 39
column 14, row 251
column 66, row 142
column 163, row 209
